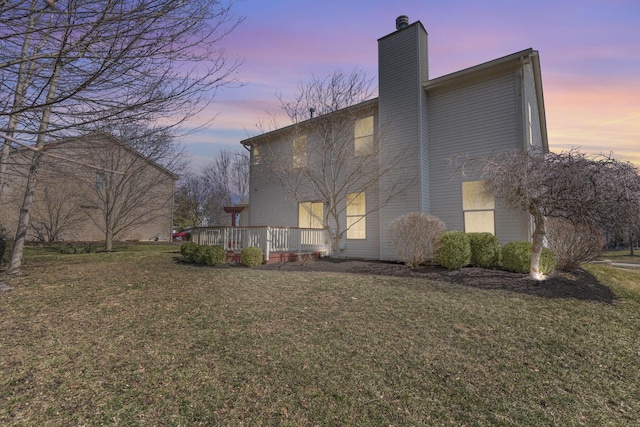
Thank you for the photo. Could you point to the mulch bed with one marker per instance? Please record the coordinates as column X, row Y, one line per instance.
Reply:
column 579, row 284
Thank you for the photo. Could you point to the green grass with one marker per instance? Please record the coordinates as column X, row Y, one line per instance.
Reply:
column 135, row 338
column 623, row 255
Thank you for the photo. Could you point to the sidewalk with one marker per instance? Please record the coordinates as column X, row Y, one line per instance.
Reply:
column 625, row 265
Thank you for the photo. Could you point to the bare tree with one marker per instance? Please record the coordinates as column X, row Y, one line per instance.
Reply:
column 228, row 175
column 190, row 202
column 56, row 213
column 200, row 199
column 336, row 150
column 64, row 68
column 573, row 244
column 596, row 191
column 136, row 193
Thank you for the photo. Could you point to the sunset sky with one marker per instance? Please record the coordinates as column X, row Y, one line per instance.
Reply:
column 589, row 54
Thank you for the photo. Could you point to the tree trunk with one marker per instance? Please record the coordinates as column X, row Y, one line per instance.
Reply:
column 32, row 179
column 108, row 241
column 24, row 72
column 538, row 244
column 23, row 219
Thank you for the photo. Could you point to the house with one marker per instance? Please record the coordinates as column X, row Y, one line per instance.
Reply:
column 91, row 188
column 416, row 124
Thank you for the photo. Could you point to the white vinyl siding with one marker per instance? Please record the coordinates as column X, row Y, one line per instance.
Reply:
column 477, row 119
column 403, row 67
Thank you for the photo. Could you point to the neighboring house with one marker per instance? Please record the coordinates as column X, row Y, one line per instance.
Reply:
column 124, row 196
column 491, row 107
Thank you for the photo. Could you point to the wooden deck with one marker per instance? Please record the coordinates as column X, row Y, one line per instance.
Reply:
column 278, row 244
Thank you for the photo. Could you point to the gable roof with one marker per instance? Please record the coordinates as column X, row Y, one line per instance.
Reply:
column 485, row 69
column 105, row 136
column 370, row 103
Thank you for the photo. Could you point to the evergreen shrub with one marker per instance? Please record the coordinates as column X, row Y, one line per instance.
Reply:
column 251, row 256
column 454, row 251
column 5, row 245
column 516, row 257
column 485, row 250
column 212, row 255
column 189, row 251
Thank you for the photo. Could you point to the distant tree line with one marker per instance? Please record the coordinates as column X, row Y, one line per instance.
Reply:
column 200, row 197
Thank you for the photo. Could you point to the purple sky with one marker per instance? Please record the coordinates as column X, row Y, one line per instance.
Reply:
column 589, row 53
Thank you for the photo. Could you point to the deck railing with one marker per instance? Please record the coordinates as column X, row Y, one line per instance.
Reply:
column 269, row 239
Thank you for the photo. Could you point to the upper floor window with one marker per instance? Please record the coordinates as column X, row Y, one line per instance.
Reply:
column 356, row 216
column 478, row 206
column 99, row 181
column 363, row 136
column 300, row 151
column 255, row 155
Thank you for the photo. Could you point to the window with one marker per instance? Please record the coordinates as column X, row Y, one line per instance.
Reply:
column 299, row 151
column 356, row 216
column 478, row 206
column 529, row 123
column 99, row 181
column 310, row 215
column 363, row 132
column 255, row 151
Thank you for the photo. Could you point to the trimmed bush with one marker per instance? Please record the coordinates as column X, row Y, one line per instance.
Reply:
column 212, row 255
column 485, row 250
column 251, row 256
column 189, row 251
column 415, row 237
column 516, row 257
column 454, row 251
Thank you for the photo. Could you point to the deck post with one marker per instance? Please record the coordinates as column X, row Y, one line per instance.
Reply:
column 267, row 243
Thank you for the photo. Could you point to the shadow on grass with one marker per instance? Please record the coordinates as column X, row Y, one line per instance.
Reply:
column 580, row 284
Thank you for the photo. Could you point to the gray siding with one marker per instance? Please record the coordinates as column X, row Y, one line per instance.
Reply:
column 477, row 119
column 269, row 204
column 403, row 66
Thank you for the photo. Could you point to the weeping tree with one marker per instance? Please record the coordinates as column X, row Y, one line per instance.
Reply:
column 66, row 66
column 599, row 192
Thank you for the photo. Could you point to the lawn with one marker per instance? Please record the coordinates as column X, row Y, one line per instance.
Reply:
column 135, row 337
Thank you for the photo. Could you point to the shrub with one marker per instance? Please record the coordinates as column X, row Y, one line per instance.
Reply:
column 516, row 257
column 485, row 250
column 189, row 251
column 212, row 255
column 572, row 243
column 251, row 256
column 415, row 237
column 454, row 251
column 5, row 245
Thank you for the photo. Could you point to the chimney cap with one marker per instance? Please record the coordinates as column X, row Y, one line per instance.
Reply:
column 402, row 21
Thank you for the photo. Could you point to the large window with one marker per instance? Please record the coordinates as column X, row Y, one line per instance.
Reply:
column 356, row 216
column 478, row 206
column 310, row 215
column 363, row 134
column 300, row 151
